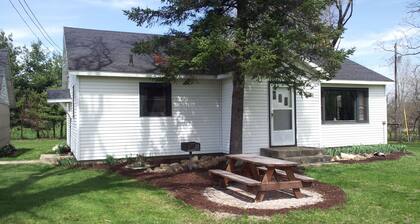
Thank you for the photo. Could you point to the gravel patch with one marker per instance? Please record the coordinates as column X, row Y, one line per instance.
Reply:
column 236, row 197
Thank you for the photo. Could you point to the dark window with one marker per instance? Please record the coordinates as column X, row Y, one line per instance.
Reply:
column 344, row 104
column 155, row 100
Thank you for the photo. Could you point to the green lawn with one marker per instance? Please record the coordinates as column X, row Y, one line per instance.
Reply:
column 380, row 192
column 32, row 149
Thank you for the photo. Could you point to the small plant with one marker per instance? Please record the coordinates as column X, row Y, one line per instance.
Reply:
column 366, row 149
column 7, row 150
column 110, row 160
column 61, row 148
column 68, row 162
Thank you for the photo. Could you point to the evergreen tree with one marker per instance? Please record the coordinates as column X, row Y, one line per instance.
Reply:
column 259, row 39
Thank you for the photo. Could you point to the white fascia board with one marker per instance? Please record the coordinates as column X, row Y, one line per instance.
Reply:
column 136, row 75
column 59, row 101
column 356, row 82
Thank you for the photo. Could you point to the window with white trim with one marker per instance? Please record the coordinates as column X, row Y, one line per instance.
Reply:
column 344, row 104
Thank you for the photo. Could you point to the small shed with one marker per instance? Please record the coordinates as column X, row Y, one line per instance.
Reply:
column 7, row 98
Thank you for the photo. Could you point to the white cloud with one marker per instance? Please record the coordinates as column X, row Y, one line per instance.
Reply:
column 23, row 36
column 370, row 43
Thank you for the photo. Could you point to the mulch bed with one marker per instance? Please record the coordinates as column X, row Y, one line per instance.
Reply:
column 391, row 156
column 189, row 187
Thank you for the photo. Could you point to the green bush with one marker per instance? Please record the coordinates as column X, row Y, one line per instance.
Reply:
column 110, row 160
column 366, row 149
column 7, row 150
column 61, row 148
column 68, row 162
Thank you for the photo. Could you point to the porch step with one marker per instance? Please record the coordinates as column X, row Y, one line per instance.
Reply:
column 301, row 155
column 309, row 159
column 283, row 152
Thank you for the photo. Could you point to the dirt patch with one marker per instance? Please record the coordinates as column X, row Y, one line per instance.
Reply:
column 189, row 187
column 391, row 156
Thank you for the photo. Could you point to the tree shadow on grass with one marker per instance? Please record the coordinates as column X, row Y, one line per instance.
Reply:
column 19, row 152
column 21, row 196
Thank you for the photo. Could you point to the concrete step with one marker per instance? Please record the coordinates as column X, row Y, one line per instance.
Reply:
column 309, row 159
column 284, row 152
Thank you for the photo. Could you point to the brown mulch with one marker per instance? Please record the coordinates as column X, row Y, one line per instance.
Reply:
column 189, row 187
column 390, row 156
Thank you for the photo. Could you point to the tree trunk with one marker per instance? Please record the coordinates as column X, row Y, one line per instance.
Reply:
column 237, row 114
column 53, row 129
column 21, row 130
column 37, row 134
column 61, row 129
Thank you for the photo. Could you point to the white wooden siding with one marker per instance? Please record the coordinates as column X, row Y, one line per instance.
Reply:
column 226, row 113
column 110, row 123
column 374, row 132
column 308, row 118
column 255, row 123
column 74, row 119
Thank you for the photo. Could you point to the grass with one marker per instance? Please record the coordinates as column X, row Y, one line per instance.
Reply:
column 31, row 149
column 46, row 194
column 380, row 192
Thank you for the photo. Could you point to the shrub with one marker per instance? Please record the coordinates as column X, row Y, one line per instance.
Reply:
column 68, row 162
column 366, row 149
column 61, row 148
column 7, row 150
column 110, row 160
column 137, row 159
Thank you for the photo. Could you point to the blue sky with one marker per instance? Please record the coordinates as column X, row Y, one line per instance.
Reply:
column 372, row 22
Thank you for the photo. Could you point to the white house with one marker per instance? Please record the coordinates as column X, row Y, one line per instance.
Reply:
column 116, row 106
column 7, row 99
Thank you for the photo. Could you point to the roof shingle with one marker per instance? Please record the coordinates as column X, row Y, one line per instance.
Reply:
column 110, row 51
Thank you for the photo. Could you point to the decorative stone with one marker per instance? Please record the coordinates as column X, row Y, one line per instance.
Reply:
column 164, row 165
column 346, row 156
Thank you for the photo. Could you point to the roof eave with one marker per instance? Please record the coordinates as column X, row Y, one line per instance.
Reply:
column 356, row 82
column 142, row 75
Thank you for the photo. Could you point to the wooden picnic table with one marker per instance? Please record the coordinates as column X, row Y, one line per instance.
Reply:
column 257, row 174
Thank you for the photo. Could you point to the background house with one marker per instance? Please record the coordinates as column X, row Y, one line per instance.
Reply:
column 7, row 99
column 116, row 106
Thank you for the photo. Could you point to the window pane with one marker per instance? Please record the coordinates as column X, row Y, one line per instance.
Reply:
column 155, row 99
column 282, row 120
column 344, row 104
column 361, row 106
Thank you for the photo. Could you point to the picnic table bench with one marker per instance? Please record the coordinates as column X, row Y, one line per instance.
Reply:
column 306, row 181
column 252, row 177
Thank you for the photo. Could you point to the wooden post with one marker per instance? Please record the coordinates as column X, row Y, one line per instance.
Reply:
column 266, row 179
column 291, row 177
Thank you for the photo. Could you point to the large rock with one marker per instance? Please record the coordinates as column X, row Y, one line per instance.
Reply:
column 53, row 158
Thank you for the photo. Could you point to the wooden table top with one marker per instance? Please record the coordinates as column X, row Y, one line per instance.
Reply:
column 262, row 160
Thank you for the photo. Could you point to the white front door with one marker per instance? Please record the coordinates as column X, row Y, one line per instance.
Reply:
column 282, row 116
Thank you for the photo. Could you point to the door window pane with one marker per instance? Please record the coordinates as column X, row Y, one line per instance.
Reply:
column 282, row 120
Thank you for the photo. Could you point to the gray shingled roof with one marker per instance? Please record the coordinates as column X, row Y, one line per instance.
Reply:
column 59, row 94
column 98, row 50
column 350, row 70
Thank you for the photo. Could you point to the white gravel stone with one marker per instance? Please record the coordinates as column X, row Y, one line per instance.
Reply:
column 235, row 197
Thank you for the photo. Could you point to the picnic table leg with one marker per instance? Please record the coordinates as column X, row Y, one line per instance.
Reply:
column 266, row 179
column 229, row 168
column 291, row 176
